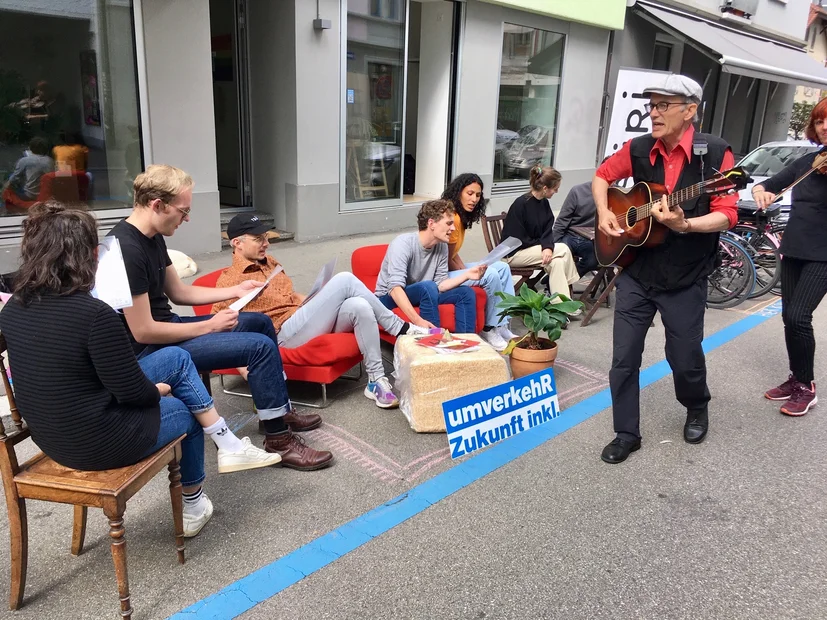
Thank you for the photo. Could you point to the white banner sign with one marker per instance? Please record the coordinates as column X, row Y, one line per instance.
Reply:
column 629, row 118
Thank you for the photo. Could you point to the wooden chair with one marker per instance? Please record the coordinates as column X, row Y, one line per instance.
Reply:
column 492, row 231
column 598, row 291
column 42, row 479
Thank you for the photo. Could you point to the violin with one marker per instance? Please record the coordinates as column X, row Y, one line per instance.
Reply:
column 819, row 165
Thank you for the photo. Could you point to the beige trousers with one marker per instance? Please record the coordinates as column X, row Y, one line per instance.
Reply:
column 561, row 270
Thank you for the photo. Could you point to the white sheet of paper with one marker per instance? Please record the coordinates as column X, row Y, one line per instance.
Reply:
column 323, row 278
column 111, row 281
column 501, row 251
column 239, row 303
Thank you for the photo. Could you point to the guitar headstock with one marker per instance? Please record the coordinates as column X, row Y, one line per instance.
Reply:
column 728, row 182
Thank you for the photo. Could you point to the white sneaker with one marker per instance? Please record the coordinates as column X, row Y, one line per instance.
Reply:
column 494, row 339
column 250, row 457
column 417, row 330
column 196, row 518
column 577, row 312
column 505, row 333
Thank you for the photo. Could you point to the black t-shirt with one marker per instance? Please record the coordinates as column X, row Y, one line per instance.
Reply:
column 531, row 221
column 146, row 261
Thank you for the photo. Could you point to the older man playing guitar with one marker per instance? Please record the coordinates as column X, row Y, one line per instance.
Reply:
column 670, row 277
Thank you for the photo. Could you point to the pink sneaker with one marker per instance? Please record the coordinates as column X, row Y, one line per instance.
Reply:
column 783, row 391
column 802, row 398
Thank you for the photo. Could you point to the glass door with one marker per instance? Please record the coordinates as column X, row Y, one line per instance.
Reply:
column 230, row 100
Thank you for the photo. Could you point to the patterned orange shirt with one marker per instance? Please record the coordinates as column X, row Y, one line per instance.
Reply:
column 278, row 300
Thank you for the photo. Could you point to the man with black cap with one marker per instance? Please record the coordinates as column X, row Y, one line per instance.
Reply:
column 670, row 278
column 343, row 305
column 228, row 339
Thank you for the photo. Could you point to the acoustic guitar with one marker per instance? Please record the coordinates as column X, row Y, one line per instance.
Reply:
column 633, row 210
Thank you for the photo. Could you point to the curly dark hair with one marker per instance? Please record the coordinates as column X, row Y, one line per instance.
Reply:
column 433, row 210
column 58, row 254
column 454, row 191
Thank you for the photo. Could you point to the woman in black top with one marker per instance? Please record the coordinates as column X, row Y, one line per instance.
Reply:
column 531, row 220
column 86, row 400
column 803, row 266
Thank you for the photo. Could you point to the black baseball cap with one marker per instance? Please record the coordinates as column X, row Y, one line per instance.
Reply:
column 245, row 224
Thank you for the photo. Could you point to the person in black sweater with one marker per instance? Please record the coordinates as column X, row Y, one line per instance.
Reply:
column 578, row 210
column 531, row 220
column 803, row 266
column 88, row 403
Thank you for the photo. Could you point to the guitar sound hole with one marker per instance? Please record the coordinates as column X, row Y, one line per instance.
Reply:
column 631, row 217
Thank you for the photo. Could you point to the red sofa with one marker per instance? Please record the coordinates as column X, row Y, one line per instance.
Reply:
column 67, row 187
column 366, row 262
column 322, row 360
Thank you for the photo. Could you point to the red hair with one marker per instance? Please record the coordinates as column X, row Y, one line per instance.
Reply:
column 819, row 113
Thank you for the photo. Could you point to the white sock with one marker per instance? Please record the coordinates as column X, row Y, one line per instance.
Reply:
column 192, row 501
column 223, row 437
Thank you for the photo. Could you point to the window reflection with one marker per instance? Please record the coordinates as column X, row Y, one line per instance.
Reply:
column 373, row 99
column 69, row 124
column 527, row 113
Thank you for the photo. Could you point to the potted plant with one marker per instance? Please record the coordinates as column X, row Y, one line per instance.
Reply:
column 539, row 313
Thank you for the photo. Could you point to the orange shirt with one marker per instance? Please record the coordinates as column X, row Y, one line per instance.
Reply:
column 71, row 157
column 457, row 237
column 278, row 301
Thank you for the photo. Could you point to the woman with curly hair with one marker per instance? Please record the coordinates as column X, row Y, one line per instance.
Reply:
column 465, row 192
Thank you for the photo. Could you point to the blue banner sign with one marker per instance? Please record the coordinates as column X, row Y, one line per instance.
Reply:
column 491, row 415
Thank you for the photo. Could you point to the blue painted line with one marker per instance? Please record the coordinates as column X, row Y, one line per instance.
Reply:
column 266, row 582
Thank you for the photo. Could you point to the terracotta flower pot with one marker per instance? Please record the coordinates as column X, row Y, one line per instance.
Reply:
column 527, row 361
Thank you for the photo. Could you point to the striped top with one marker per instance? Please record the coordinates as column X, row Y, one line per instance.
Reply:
column 77, row 382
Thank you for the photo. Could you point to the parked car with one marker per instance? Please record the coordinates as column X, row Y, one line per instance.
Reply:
column 769, row 159
column 532, row 146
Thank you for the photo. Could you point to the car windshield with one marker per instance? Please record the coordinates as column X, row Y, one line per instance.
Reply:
column 767, row 161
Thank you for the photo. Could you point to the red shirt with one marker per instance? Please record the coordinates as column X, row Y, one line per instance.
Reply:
column 619, row 166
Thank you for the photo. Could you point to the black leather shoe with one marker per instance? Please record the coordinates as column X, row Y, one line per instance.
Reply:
column 619, row 450
column 697, row 423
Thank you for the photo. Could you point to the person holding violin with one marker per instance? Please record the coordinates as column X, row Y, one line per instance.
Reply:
column 803, row 262
column 670, row 278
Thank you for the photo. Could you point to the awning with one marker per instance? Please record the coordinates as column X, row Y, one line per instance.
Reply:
column 740, row 52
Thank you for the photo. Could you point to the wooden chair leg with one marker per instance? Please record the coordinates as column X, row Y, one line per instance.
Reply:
column 19, row 537
column 116, row 532
column 79, row 530
column 176, row 495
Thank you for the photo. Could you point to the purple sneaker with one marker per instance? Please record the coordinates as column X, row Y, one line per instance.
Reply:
column 381, row 392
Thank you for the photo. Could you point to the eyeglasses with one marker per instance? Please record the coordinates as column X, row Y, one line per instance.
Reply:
column 259, row 239
column 184, row 212
column 662, row 106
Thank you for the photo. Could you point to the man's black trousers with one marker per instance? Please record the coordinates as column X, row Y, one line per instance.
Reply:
column 682, row 313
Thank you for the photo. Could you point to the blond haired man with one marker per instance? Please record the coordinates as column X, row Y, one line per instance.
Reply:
column 228, row 339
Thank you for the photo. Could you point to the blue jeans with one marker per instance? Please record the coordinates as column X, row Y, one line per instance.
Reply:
column 252, row 344
column 173, row 366
column 496, row 278
column 426, row 295
column 583, row 252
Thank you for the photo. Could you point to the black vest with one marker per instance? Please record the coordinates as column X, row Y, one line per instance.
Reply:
column 681, row 260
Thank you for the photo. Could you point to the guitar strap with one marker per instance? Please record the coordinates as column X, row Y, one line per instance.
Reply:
column 700, row 147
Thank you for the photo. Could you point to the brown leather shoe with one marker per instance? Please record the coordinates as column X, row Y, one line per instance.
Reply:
column 298, row 422
column 296, row 454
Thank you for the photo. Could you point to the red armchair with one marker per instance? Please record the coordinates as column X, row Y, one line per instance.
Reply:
column 66, row 187
column 366, row 262
column 322, row 360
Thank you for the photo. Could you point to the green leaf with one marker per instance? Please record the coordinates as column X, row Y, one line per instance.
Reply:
column 554, row 334
column 569, row 306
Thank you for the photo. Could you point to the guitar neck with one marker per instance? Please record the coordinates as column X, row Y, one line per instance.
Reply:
column 673, row 200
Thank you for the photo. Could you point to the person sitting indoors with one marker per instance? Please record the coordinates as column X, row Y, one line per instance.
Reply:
column 87, row 401
column 531, row 220
column 343, row 305
column 415, row 272
column 228, row 339
column 24, row 183
column 71, row 154
column 465, row 192
column 578, row 210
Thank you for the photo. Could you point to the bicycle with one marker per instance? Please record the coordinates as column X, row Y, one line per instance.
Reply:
column 755, row 229
column 733, row 280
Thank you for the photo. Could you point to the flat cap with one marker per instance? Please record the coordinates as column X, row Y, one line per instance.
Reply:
column 678, row 85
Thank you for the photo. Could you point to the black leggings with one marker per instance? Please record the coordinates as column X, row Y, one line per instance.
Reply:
column 803, row 285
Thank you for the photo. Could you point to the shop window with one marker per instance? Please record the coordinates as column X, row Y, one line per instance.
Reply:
column 532, row 61
column 69, row 119
column 374, row 101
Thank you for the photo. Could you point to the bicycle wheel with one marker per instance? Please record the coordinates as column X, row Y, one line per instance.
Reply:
column 763, row 250
column 734, row 278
